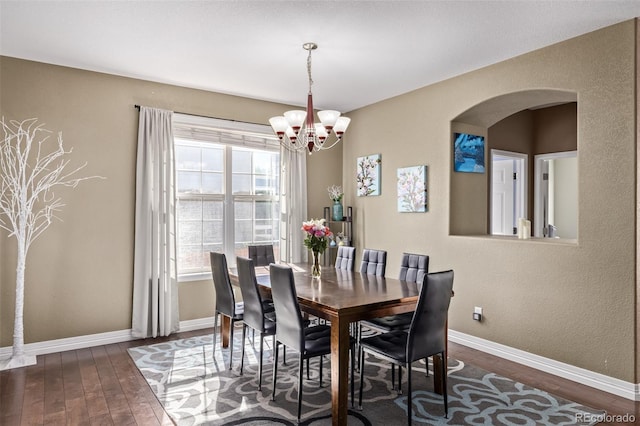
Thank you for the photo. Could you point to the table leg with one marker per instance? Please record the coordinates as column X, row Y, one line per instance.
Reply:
column 339, row 371
column 225, row 329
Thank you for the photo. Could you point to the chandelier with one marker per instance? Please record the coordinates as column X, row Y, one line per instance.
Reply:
column 299, row 127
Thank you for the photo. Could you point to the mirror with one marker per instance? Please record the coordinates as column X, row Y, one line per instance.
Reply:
column 556, row 195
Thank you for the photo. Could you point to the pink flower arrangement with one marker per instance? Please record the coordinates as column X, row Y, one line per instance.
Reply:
column 317, row 234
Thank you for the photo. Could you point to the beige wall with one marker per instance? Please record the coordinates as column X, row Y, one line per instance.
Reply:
column 571, row 303
column 574, row 303
column 323, row 170
column 79, row 273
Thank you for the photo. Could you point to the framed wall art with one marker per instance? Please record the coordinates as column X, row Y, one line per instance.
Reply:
column 468, row 153
column 368, row 175
column 412, row 189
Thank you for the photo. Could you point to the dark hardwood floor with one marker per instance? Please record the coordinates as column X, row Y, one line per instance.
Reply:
column 102, row 386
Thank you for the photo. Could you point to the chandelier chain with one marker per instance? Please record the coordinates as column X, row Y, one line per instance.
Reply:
column 309, row 70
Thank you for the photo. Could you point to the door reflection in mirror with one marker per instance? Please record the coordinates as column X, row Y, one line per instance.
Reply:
column 508, row 190
column 556, row 195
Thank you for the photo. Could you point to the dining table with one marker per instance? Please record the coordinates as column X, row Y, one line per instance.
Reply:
column 343, row 297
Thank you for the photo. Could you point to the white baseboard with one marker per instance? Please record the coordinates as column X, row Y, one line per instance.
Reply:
column 81, row 342
column 580, row 375
column 589, row 378
column 72, row 343
column 196, row 324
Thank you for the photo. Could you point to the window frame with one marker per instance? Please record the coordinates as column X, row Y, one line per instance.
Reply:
column 235, row 136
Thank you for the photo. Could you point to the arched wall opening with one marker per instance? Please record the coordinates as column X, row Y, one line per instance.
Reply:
column 529, row 122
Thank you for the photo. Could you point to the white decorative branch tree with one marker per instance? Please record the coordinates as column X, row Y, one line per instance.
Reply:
column 30, row 170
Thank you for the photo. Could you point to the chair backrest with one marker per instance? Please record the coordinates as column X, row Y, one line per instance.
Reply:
column 427, row 335
column 374, row 262
column 346, row 258
column 225, row 299
column 262, row 255
column 414, row 267
column 289, row 323
column 253, row 308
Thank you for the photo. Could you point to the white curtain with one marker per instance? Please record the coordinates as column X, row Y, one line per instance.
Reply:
column 293, row 205
column 155, row 290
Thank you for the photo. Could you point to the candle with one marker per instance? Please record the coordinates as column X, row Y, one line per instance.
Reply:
column 526, row 234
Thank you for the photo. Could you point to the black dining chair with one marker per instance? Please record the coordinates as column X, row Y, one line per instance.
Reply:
column 374, row 262
column 426, row 335
column 225, row 298
column 413, row 268
column 345, row 258
column 259, row 314
column 262, row 255
column 309, row 342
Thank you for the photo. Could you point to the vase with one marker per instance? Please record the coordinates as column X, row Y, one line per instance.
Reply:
column 337, row 212
column 315, row 267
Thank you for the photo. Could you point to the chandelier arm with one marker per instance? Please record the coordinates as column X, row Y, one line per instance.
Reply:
column 294, row 147
column 326, row 144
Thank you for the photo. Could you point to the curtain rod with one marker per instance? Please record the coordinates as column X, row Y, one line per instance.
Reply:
column 208, row 116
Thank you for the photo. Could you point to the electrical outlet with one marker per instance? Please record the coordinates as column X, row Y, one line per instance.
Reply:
column 477, row 313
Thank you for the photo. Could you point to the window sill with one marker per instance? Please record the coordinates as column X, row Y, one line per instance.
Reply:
column 535, row 240
column 201, row 276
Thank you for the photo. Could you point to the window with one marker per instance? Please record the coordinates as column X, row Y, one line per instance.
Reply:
column 227, row 178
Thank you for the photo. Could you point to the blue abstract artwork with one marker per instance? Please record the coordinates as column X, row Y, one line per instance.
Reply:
column 468, row 153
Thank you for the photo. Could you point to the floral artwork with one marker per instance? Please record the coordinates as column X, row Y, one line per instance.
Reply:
column 468, row 153
column 412, row 189
column 368, row 175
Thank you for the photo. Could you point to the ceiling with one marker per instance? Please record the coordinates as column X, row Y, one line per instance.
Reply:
column 368, row 50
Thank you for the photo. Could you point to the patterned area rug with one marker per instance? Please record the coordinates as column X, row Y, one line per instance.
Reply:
column 196, row 388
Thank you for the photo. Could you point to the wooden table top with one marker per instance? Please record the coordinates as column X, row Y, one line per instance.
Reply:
column 343, row 292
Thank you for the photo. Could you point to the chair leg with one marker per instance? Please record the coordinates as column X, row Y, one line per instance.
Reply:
column 260, row 362
column 399, row 380
column 409, row 402
column 393, row 376
column 361, row 361
column 358, row 338
column 275, row 370
column 320, row 361
column 353, row 361
column 244, row 335
column 300, row 372
column 231, row 344
column 426, row 366
column 215, row 331
column 354, row 332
